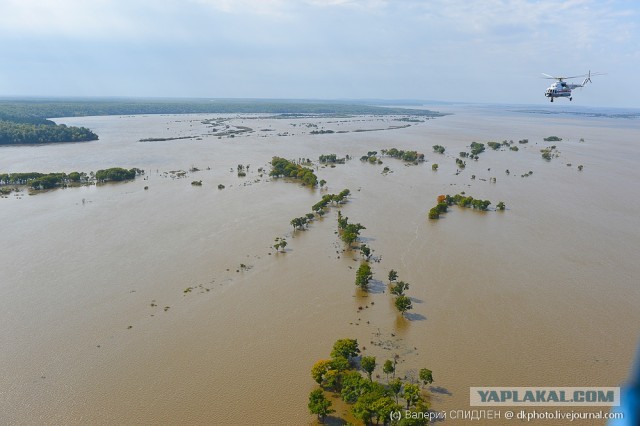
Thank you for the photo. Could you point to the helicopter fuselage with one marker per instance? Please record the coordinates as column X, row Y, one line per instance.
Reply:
column 560, row 89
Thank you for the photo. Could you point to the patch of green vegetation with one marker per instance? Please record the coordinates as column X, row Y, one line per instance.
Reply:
column 404, row 155
column 331, row 159
column 371, row 401
column 117, row 174
column 549, row 153
column 439, row 149
column 281, row 167
column 462, row 200
column 552, row 139
column 15, row 133
column 40, row 181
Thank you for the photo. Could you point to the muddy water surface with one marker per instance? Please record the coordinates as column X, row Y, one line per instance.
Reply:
column 98, row 324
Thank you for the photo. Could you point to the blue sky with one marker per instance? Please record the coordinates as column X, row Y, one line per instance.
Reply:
column 447, row 50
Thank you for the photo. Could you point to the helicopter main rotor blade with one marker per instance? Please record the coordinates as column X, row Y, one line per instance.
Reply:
column 549, row 76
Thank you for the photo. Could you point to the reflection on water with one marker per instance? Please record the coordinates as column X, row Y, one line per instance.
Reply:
column 97, row 327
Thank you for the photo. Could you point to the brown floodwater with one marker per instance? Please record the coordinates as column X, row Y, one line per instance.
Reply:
column 97, row 325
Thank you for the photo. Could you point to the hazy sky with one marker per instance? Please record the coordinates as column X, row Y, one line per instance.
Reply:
column 448, row 50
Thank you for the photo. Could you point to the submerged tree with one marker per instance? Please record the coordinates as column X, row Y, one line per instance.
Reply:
column 363, row 276
column 319, row 405
column 345, row 348
column 403, row 304
column 366, row 251
column 399, row 288
column 388, row 368
column 368, row 364
column 426, row 376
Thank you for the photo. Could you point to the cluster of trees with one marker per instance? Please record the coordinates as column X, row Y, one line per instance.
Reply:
column 476, row 148
column 408, row 156
column 321, row 132
column 439, row 149
column 371, row 157
column 242, row 169
column 494, row 145
column 549, row 153
column 320, row 207
column 552, row 139
column 460, row 164
column 117, row 174
column 444, row 201
column 280, row 243
column 371, row 401
column 398, row 288
column 523, row 141
column 283, row 167
column 44, row 131
column 51, row 180
column 349, row 232
column 331, row 159
column 302, row 221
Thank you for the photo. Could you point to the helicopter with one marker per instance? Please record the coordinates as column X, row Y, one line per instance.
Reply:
column 562, row 89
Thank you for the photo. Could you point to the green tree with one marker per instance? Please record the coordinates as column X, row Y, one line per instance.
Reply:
column 363, row 276
column 399, row 288
column 369, row 405
column 383, row 407
column 388, row 368
column 353, row 385
column 426, row 376
column 393, row 275
column 403, row 304
column 365, row 250
column 368, row 364
column 319, row 405
column 411, row 394
column 396, row 387
column 319, row 370
column 345, row 348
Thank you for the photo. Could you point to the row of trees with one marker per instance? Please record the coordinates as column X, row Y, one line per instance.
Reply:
column 408, row 156
column 331, row 159
column 51, row 180
column 462, row 200
column 281, row 167
column 370, row 400
column 398, row 288
column 14, row 133
column 320, row 207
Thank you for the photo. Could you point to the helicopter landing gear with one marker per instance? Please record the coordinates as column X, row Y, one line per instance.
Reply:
column 551, row 99
column 570, row 99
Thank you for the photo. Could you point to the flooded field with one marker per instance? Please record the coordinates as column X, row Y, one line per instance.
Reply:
column 120, row 305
